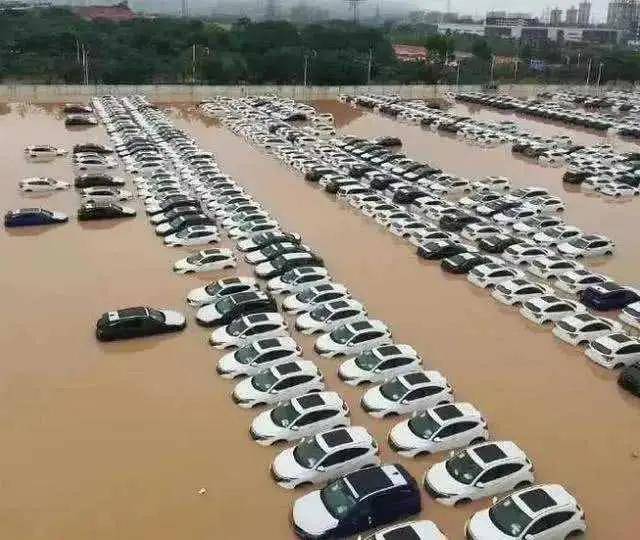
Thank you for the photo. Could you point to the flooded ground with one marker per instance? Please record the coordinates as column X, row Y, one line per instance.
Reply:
column 107, row 441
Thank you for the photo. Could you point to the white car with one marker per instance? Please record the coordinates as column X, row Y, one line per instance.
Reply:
column 516, row 291
column 194, row 235
column 478, row 199
column 353, row 338
column 278, row 383
column 206, row 260
column 418, row 238
column 614, row 350
column 491, row 274
column 631, row 315
column 217, row 290
column 255, row 242
column 407, row 393
column 313, row 296
column 258, row 356
column 619, row 190
column 104, row 194
column 413, row 530
column 281, row 263
column 293, row 281
column 591, row 245
column 513, row 215
column 94, row 165
column 533, row 225
column 524, row 253
column 247, row 230
column 407, row 227
column 273, row 250
column 550, row 308
column 495, row 183
column 440, row 428
column 551, row 267
column 451, row 186
column 483, row 470
column 300, row 417
column 328, row 316
column 553, row 236
column 44, row 151
column 582, row 328
column 476, row 231
column 324, row 457
column 379, row 364
column 547, row 204
column 577, row 280
column 41, row 184
column 541, row 512
column 244, row 330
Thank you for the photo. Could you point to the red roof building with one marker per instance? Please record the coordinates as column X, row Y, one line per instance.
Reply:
column 117, row 13
column 410, row 53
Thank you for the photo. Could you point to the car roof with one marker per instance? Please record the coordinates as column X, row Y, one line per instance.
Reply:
column 367, row 324
column 457, row 410
column 386, row 351
column 366, row 482
column 317, row 400
column 420, row 378
column 298, row 366
column 490, row 452
column 538, row 499
column 256, row 318
column 273, row 343
column 343, row 437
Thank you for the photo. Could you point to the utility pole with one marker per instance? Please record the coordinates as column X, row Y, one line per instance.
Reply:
column 369, row 66
column 457, row 73
column 493, row 66
column 306, row 67
column 588, row 73
column 515, row 69
column 600, row 66
column 193, row 64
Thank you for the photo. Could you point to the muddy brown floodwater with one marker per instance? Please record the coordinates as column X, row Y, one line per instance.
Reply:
column 111, row 441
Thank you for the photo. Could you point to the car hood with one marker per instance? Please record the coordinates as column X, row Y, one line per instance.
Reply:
column 482, row 528
column 221, row 336
column 285, row 465
column 349, row 368
column 245, row 245
column 59, row 215
column 276, row 283
column 376, row 400
column 263, row 425
column 245, row 390
column 198, row 295
column 208, row 313
column 310, row 515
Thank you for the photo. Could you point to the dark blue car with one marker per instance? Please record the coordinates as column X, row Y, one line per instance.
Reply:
column 33, row 216
column 361, row 500
column 608, row 295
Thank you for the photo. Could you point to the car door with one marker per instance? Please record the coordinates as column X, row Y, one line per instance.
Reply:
column 498, row 479
column 291, row 386
column 454, row 435
column 315, row 421
column 423, row 398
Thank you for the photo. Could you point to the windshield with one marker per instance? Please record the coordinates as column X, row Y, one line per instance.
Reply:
column 308, row 453
column 393, row 390
column 463, row 468
column 237, row 327
column 320, row 313
column 213, row 288
column 289, row 277
column 337, row 499
column 193, row 259
column 224, row 305
column 284, row 415
column 509, row 518
column 367, row 361
column 157, row 315
column 579, row 243
column 341, row 335
column 306, row 295
column 246, row 354
column 423, row 425
column 264, row 381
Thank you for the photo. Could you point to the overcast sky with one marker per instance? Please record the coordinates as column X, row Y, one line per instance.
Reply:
column 535, row 7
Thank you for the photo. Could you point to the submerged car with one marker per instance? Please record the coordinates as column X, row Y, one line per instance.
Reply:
column 25, row 217
column 137, row 322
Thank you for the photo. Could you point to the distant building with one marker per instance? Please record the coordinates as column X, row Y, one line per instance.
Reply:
column 511, row 20
column 571, row 17
column 410, row 53
column 117, row 13
column 623, row 14
column 555, row 17
column 584, row 13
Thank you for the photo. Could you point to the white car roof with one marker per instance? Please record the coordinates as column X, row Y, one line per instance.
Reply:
column 367, row 324
column 425, row 530
column 422, row 377
column 297, row 366
column 616, row 340
column 216, row 251
column 257, row 318
column 454, row 411
column 317, row 400
column 274, row 343
column 538, row 499
column 302, row 270
column 343, row 437
column 491, row 452
column 392, row 350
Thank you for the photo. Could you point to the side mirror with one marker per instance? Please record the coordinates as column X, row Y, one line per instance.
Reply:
column 437, row 439
column 321, row 468
column 480, row 484
column 294, row 428
column 404, row 401
column 376, row 370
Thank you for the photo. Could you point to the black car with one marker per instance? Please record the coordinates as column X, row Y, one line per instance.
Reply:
column 382, row 182
column 463, row 262
column 182, row 222
column 498, row 243
column 439, row 249
column 99, row 210
column 186, row 210
column 97, row 180
column 288, row 261
column 388, row 141
column 334, row 185
column 407, row 195
column 576, row 177
column 265, row 239
column 496, row 207
column 361, row 500
column 172, row 202
column 92, row 147
column 272, row 251
column 137, row 322
column 236, row 305
column 458, row 221
column 629, row 379
column 360, row 169
column 316, row 173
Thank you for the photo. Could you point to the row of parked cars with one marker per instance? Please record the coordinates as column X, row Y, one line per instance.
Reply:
column 447, row 425
column 543, row 108
column 536, row 242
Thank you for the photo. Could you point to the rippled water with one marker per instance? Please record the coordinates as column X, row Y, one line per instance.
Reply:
column 108, row 441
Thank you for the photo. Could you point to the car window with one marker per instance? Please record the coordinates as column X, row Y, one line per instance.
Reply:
column 420, row 393
column 558, row 308
column 365, row 336
column 272, row 355
column 315, row 416
column 455, row 429
column 292, row 381
column 343, row 314
column 549, row 521
column 499, row 471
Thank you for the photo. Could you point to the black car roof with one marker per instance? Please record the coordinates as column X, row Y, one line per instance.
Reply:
column 537, row 499
column 337, row 437
column 490, row 452
column 447, row 412
column 310, row 400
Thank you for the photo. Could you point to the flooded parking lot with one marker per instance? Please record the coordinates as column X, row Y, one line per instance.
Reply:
column 115, row 440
